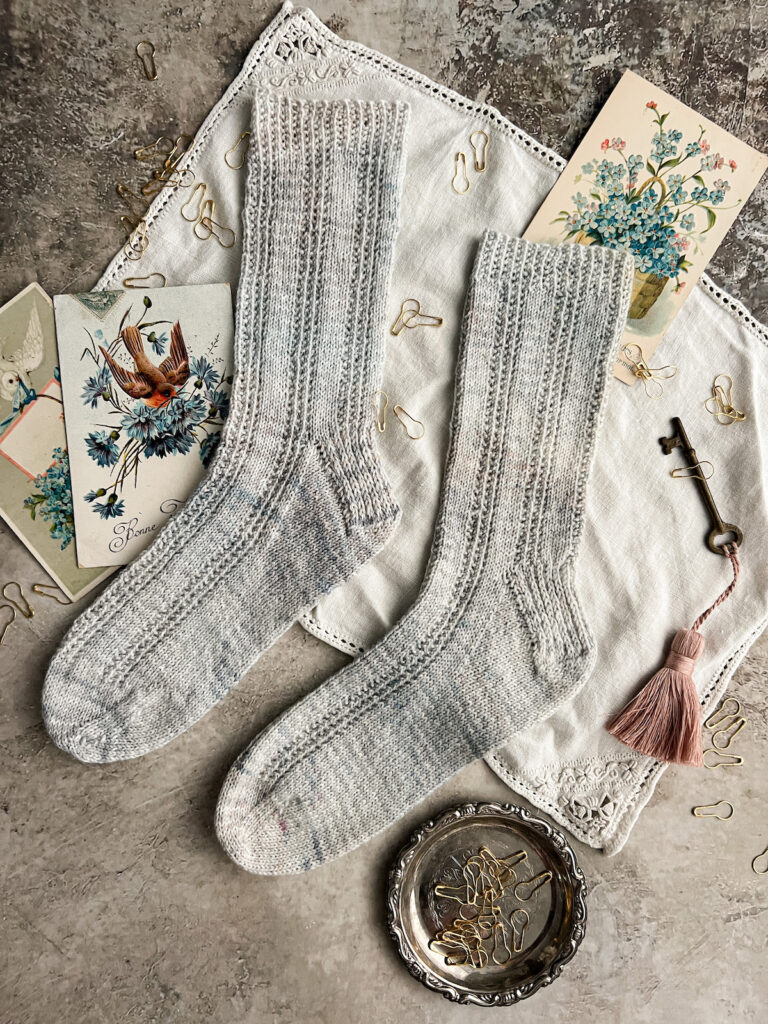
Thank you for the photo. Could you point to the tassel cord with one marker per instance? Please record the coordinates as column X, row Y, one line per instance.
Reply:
column 732, row 551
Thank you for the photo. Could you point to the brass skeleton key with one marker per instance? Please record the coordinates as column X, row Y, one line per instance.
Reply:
column 680, row 440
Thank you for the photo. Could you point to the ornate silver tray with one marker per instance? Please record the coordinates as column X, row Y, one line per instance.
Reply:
column 487, row 904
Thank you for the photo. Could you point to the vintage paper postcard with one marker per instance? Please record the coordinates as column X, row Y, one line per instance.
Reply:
column 146, row 376
column 652, row 176
column 35, row 496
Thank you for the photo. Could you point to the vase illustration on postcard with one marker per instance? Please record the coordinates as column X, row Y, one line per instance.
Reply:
column 654, row 177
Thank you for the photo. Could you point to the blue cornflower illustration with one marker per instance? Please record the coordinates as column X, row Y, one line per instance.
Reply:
column 96, row 388
column 169, row 444
column 102, row 448
column 204, row 372
column 184, row 412
column 219, row 404
column 143, row 422
column 112, row 508
column 158, row 342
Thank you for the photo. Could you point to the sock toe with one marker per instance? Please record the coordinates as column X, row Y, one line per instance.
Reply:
column 252, row 831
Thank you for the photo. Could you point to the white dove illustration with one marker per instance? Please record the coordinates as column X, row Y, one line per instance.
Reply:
column 16, row 367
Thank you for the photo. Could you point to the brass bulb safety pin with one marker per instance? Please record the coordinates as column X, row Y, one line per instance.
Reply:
column 410, row 315
column 194, row 204
column 460, row 182
column 380, row 409
column 51, row 591
column 153, row 280
column 717, row 759
column 19, row 602
column 478, row 140
column 160, row 147
column 235, row 155
column 729, row 708
column 722, row 810
column 409, row 423
column 650, row 376
column 720, row 402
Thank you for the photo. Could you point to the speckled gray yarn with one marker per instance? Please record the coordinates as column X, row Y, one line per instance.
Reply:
column 496, row 639
column 296, row 499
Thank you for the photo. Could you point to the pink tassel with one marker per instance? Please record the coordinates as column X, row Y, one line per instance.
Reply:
column 664, row 719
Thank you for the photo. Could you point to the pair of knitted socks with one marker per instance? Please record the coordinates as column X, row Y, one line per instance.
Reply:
column 296, row 501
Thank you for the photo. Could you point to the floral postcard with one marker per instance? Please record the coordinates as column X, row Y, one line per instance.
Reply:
column 35, row 495
column 146, row 376
column 652, row 176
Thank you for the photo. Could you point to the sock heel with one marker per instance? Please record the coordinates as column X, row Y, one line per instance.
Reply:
column 562, row 644
column 354, row 470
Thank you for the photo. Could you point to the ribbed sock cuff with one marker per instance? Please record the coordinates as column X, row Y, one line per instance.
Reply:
column 320, row 224
column 280, row 124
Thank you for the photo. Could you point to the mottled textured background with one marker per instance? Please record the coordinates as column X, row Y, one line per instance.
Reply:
column 117, row 904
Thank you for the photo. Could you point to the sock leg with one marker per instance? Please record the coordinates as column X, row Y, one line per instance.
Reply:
column 496, row 639
column 296, row 500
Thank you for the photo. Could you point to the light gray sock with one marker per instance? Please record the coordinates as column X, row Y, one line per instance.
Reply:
column 296, row 500
column 496, row 639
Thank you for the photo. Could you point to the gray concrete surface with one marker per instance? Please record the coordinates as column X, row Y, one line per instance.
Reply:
column 117, row 904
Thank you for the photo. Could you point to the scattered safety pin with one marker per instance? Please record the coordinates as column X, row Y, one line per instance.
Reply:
column 137, row 205
column 143, row 282
column 518, row 919
column 42, row 589
column 400, row 412
column 693, row 472
column 650, row 376
column 479, row 150
column 717, row 759
column 381, row 410
column 730, row 732
column 207, row 227
column 723, row 713
column 128, row 225
column 145, row 51
column 8, row 624
column 22, row 605
column 460, row 182
column 154, row 149
column 713, row 810
column 171, row 177
column 241, row 144
column 138, row 243
column 756, row 863
column 532, row 885
column 200, row 188
column 500, row 944
column 180, row 147
column 720, row 404
column 411, row 316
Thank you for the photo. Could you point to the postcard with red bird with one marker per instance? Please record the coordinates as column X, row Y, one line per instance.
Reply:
column 146, row 377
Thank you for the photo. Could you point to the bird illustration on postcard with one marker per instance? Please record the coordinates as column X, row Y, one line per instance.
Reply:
column 35, row 495
column 656, row 178
column 146, row 378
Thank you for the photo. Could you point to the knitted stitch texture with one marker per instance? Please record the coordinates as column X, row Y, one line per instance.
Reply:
column 296, row 500
column 496, row 639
